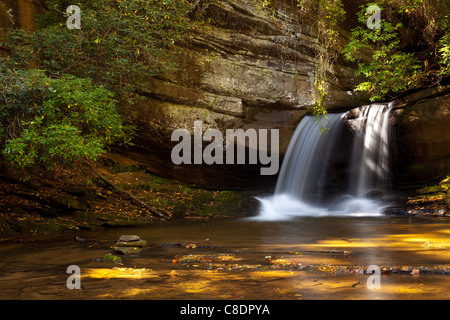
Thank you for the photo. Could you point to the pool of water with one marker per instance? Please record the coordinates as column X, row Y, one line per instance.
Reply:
column 238, row 259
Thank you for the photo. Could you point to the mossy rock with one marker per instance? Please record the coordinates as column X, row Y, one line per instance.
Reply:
column 445, row 185
column 430, row 189
column 111, row 257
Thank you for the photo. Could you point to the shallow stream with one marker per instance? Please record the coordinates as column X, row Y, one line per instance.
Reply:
column 305, row 258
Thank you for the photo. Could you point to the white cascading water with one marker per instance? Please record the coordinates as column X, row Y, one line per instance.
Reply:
column 303, row 174
column 371, row 150
column 301, row 186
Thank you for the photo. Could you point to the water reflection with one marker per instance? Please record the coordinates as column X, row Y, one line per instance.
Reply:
column 37, row 270
column 390, row 240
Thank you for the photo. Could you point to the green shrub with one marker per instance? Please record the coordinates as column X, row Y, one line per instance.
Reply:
column 60, row 120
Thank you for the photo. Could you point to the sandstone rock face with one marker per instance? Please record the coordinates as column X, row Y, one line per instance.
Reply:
column 248, row 62
column 248, row 67
column 423, row 137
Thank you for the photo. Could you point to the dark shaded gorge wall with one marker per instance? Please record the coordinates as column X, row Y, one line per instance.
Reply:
column 423, row 137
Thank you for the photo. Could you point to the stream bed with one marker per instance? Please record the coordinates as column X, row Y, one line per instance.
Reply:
column 234, row 259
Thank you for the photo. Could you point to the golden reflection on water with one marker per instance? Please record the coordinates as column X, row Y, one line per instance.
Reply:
column 109, row 273
column 414, row 241
column 429, row 243
column 273, row 285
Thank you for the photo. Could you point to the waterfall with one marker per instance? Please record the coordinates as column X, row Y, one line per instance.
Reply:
column 306, row 174
column 303, row 174
column 371, row 149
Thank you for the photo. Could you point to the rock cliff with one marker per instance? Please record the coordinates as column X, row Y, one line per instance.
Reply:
column 423, row 137
column 246, row 67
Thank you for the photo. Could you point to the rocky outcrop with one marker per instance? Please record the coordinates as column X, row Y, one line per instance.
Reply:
column 423, row 137
column 246, row 67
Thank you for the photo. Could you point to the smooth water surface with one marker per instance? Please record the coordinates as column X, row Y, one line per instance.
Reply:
column 243, row 252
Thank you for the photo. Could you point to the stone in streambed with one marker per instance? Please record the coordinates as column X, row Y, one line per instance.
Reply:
column 128, row 250
column 138, row 243
column 131, row 241
column 130, row 244
column 129, row 238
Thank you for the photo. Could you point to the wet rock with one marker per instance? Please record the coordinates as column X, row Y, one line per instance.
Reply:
column 128, row 250
column 129, row 238
column 429, row 190
column 130, row 244
column 138, row 243
column 399, row 210
column 131, row 241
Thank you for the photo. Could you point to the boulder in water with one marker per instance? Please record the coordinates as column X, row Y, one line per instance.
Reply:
column 128, row 250
column 129, row 238
column 131, row 241
column 129, row 244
